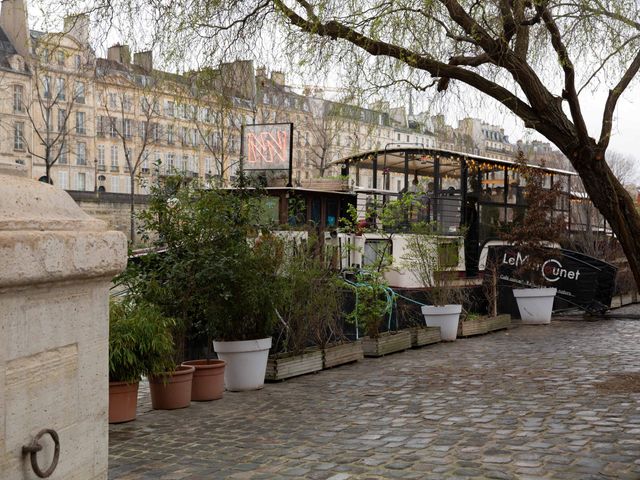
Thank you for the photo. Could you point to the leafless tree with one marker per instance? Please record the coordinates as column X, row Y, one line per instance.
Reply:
column 217, row 118
column 624, row 167
column 132, row 117
column 48, row 109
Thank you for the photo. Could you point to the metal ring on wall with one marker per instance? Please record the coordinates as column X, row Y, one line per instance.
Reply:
column 34, row 447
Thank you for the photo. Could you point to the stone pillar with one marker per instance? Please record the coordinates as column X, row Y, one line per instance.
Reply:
column 56, row 266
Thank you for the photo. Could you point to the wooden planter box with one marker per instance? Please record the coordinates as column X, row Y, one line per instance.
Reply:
column 342, row 353
column 421, row 336
column 285, row 365
column 388, row 342
column 499, row 322
column 483, row 325
column 327, row 184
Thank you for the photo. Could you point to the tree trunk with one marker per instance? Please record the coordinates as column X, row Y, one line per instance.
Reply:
column 131, row 204
column 613, row 201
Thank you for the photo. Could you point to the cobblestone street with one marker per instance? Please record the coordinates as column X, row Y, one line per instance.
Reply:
column 523, row 404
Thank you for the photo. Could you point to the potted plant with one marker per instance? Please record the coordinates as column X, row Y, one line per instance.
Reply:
column 534, row 239
column 217, row 273
column 248, row 290
column 431, row 258
column 411, row 318
column 171, row 276
column 140, row 343
column 337, row 347
column 311, row 302
column 373, row 307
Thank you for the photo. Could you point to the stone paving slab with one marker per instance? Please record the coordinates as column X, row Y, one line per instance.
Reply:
column 517, row 404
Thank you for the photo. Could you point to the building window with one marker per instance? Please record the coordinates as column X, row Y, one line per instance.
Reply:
column 60, row 57
column 145, row 162
column 81, row 153
column 60, row 90
column 114, row 156
column 170, row 108
column 145, row 105
column 62, row 158
column 113, row 101
column 127, row 186
column 80, row 123
column 79, row 92
column 18, row 136
column 46, row 87
column 115, row 184
column 47, row 120
column 101, row 157
column 81, row 181
column 62, row 120
column 113, row 129
column 77, row 62
column 63, row 180
column 127, row 102
column 170, row 134
column 18, row 98
column 127, row 127
column 101, row 121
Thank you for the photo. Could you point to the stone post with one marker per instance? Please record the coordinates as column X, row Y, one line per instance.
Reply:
column 56, row 266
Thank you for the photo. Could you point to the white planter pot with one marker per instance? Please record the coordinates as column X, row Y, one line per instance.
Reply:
column 446, row 317
column 246, row 363
column 535, row 304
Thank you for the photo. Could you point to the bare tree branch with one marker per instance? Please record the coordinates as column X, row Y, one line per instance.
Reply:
column 612, row 100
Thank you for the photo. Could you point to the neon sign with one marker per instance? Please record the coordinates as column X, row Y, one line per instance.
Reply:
column 267, row 146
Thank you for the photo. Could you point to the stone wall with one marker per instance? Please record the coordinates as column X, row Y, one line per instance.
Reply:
column 56, row 269
column 112, row 208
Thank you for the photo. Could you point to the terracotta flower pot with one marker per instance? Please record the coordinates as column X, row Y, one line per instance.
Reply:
column 172, row 391
column 208, row 380
column 123, row 400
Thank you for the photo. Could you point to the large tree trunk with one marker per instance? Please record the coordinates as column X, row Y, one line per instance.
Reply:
column 612, row 200
column 131, row 204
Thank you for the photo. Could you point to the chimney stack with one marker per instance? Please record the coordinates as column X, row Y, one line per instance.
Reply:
column 278, row 78
column 144, row 60
column 119, row 53
column 78, row 27
column 15, row 23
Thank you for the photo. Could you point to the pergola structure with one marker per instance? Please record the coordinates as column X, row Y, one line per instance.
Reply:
column 459, row 191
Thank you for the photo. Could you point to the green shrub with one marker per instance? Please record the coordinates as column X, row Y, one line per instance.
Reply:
column 372, row 303
column 140, row 341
